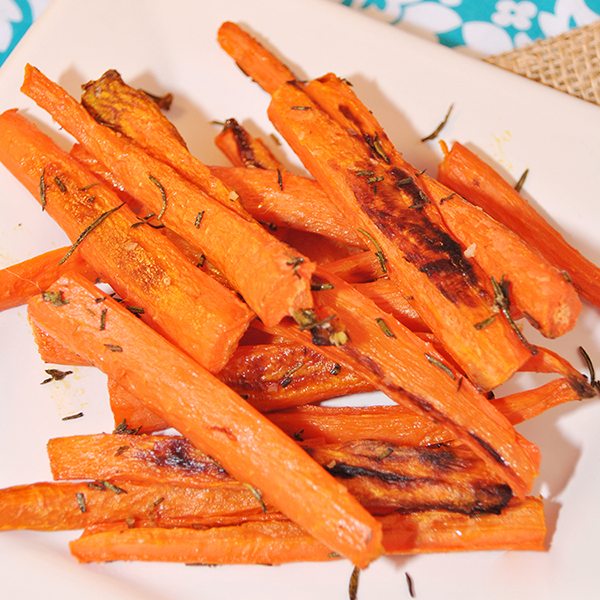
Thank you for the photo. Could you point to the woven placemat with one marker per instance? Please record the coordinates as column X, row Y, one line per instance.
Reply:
column 569, row 62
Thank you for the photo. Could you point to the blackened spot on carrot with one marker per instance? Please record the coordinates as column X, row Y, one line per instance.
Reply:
column 179, row 453
column 364, row 360
column 488, row 449
column 345, row 471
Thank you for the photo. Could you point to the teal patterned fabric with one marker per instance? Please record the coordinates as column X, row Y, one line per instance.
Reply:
column 483, row 26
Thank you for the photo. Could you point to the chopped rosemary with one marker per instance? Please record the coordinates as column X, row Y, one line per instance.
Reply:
column 219, row 123
column 379, row 252
column 201, row 261
column 43, row 189
column 405, row 181
column 89, row 186
column 114, row 347
column 71, row 417
column 306, row 318
column 146, row 221
column 502, row 302
column 485, row 323
column 384, row 327
column 60, row 184
column 589, row 364
column 317, row 285
column 375, row 179
column 121, row 450
column 198, row 219
column 81, row 501
column 136, row 310
column 439, row 128
column 256, row 493
column 280, row 179
column 98, row 300
column 364, row 173
column 410, row 584
column 521, row 182
column 55, row 375
column 123, row 429
column 440, row 365
column 89, row 230
column 55, row 298
column 103, row 319
column 300, row 107
column 275, row 139
column 287, row 378
column 158, row 502
column 334, row 555
column 298, row 435
column 353, row 584
column 379, row 149
column 295, row 263
column 566, row 276
column 448, row 197
column 163, row 195
column 459, row 384
column 387, row 452
column 113, row 488
column 335, row 369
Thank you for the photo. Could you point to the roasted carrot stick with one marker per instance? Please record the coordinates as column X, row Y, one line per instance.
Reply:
column 186, row 305
column 211, row 416
column 362, row 267
column 383, row 476
column 519, row 527
column 20, row 282
column 52, row 351
column 57, row 506
column 411, row 372
column 130, row 413
column 243, row 150
column 132, row 112
column 471, row 177
column 271, row 277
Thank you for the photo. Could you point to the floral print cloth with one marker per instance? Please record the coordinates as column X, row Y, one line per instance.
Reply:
column 483, row 27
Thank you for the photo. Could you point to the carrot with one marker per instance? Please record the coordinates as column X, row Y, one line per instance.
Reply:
column 318, row 248
column 271, row 277
column 412, row 373
column 20, row 282
column 58, row 506
column 52, row 351
column 211, row 416
column 186, row 305
column 477, row 181
column 243, row 150
column 363, row 267
column 519, row 527
column 383, row 476
column 252, row 58
column 134, row 114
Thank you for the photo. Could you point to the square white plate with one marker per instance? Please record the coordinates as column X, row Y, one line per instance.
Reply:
column 409, row 83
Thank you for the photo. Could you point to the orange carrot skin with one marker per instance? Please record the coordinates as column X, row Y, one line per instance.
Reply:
column 128, row 410
column 362, row 267
column 127, row 110
column 455, row 297
column 185, row 304
column 56, row 506
column 52, row 351
column 475, row 180
column 396, row 364
column 20, row 282
column 520, row 527
column 212, row 417
column 281, row 283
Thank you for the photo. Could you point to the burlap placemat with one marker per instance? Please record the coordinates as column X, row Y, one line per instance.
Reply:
column 569, row 62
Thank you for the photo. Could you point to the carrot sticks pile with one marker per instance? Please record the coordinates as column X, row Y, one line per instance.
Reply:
column 246, row 295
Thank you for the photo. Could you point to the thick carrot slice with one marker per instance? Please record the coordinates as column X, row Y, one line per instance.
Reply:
column 243, row 150
column 130, row 412
column 471, row 177
column 186, row 305
column 383, row 476
column 252, row 58
column 520, row 526
column 211, row 415
column 411, row 372
column 57, row 506
column 271, row 277
column 132, row 112
column 52, row 351
column 20, row 282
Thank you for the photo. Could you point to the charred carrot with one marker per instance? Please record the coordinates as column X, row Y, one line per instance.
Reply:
column 520, row 526
column 243, row 150
column 154, row 279
column 211, row 416
column 20, row 282
column 58, row 506
column 271, row 277
column 383, row 476
column 133, row 113
column 470, row 176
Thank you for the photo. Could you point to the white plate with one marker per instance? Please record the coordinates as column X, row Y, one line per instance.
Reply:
column 408, row 83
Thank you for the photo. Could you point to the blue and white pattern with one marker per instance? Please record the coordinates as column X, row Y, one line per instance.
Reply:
column 483, row 27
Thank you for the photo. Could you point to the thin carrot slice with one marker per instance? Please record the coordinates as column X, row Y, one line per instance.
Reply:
column 243, row 150
column 132, row 112
column 58, row 506
column 20, row 282
column 475, row 180
column 154, row 279
column 520, row 526
column 273, row 279
column 363, row 267
column 211, row 416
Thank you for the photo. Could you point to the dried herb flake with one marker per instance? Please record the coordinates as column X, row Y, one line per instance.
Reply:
column 81, row 501
column 198, row 219
column 71, row 417
column 114, row 347
column 379, row 252
column 123, row 429
column 55, row 375
column 410, row 584
column 521, row 182
column 55, row 298
column 353, row 584
column 440, row 365
column 439, row 128
column 384, row 327
column 163, row 195
column 103, row 319
column 256, row 493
